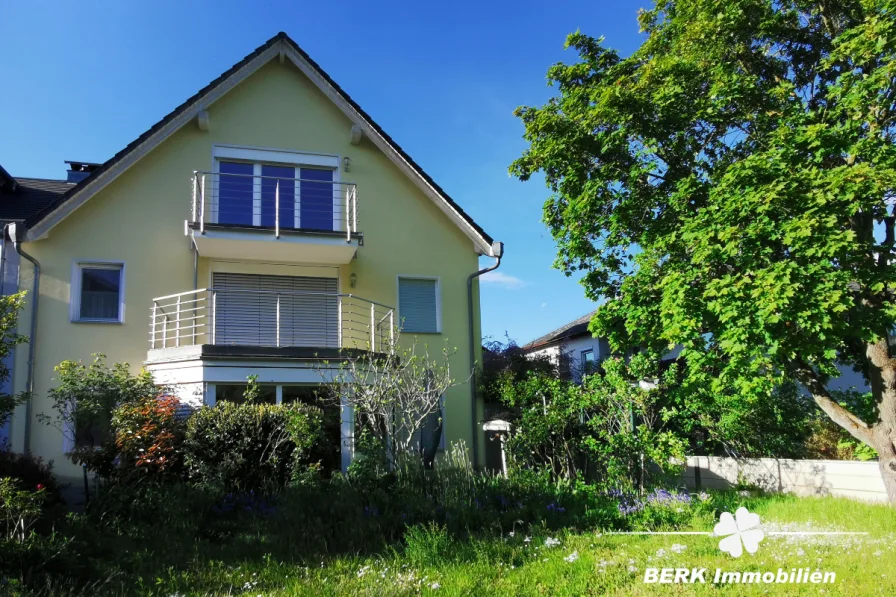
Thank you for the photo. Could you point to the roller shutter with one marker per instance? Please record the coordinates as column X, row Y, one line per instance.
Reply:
column 246, row 310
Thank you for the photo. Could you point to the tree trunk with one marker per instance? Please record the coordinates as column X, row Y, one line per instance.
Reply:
column 887, row 464
column 884, row 431
column 881, row 435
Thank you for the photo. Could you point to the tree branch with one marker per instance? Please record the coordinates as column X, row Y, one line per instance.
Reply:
column 856, row 427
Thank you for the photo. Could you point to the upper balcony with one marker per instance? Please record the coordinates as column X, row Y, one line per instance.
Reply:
column 248, row 212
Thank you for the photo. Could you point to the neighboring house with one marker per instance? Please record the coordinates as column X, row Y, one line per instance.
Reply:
column 265, row 225
column 571, row 347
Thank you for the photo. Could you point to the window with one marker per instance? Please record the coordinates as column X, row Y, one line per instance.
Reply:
column 98, row 293
column 236, row 393
column 250, row 194
column 589, row 365
column 418, row 305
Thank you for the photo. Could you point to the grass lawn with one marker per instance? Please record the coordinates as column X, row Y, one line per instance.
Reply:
column 519, row 562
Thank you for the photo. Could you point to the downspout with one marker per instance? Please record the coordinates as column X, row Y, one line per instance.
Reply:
column 195, row 264
column 16, row 232
column 497, row 253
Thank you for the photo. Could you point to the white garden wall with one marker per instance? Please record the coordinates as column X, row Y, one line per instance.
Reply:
column 843, row 478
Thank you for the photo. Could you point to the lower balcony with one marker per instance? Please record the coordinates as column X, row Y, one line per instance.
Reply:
column 237, row 323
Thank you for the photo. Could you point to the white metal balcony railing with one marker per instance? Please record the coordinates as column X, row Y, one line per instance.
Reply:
column 268, row 318
column 274, row 202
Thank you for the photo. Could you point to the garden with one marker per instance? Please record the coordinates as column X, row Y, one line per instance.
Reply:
column 234, row 499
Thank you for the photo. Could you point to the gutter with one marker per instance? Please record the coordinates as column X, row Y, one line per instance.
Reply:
column 497, row 252
column 16, row 233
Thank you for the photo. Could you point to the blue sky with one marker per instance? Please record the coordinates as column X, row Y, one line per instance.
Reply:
column 83, row 80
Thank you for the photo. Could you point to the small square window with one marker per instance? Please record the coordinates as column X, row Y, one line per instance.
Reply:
column 97, row 292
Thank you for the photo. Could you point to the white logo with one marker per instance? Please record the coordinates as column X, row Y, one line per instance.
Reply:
column 739, row 531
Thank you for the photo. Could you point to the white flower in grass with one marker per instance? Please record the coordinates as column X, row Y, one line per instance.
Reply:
column 435, row 586
column 572, row 557
column 678, row 548
column 661, row 553
column 511, row 533
column 527, row 540
column 632, row 569
column 551, row 542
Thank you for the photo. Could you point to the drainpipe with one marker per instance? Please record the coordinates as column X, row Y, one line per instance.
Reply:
column 497, row 253
column 16, row 231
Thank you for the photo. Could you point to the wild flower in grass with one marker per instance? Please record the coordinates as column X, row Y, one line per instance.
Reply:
column 511, row 534
column 703, row 496
column 572, row 557
column 435, row 586
column 551, row 542
column 678, row 548
column 527, row 540
column 664, row 497
column 661, row 553
column 553, row 507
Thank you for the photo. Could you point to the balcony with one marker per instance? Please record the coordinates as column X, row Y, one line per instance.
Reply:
column 246, row 216
column 228, row 323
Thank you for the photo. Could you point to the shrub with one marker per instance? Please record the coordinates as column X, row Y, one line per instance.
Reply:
column 83, row 402
column 250, row 446
column 149, row 437
column 607, row 430
column 31, row 473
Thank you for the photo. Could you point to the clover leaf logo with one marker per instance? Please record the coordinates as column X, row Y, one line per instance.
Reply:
column 739, row 532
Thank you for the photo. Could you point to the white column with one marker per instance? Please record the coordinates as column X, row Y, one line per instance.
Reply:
column 279, row 395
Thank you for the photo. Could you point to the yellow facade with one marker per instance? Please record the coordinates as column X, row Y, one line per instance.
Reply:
column 139, row 219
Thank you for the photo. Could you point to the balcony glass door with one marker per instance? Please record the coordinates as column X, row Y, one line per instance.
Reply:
column 235, row 194
column 284, row 176
column 247, row 195
column 316, row 199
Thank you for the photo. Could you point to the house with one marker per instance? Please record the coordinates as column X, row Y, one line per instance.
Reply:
column 571, row 347
column 267, row 226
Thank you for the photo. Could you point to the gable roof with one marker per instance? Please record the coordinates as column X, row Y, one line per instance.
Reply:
column 282, row 46
column 576, row 327
column 25, row 197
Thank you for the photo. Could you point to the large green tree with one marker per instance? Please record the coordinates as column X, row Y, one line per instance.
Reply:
column 729, row 187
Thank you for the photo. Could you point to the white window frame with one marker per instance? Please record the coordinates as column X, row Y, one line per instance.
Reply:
column 259, row 156
column 75, row 296
column 438, row 282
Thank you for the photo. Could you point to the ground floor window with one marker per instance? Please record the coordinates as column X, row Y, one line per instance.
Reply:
column 236, row 393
